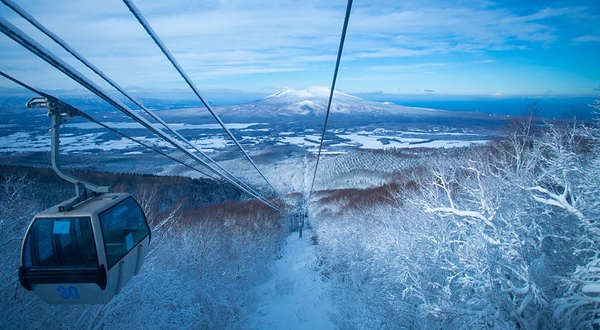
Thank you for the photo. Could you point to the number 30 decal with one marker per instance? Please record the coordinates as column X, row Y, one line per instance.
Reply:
column 68, row 293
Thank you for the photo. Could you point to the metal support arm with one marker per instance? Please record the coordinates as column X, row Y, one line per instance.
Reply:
column 57, row 110
column 55, row 154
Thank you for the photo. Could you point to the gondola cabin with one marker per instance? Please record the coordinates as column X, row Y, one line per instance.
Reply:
column 87, row 254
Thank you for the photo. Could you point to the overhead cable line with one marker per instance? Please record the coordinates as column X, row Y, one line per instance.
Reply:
column 335, row 73
column 24, row 40
column 138, row 15
column 92, row 119
column 28, row 17
column 88, row 117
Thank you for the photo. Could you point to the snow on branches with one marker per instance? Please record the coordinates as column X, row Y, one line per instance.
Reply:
column 504, row 236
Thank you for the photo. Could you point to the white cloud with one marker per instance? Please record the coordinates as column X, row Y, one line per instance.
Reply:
column 588, row 38
column 223, row 39
column 405, row 67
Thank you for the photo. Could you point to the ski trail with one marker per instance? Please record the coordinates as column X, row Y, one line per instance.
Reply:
column 294, row 297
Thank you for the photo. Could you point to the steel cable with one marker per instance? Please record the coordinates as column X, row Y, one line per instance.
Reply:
column 92, row 119
column 335, row 73
column 20, row 37
column 28, row 17
column 138, row 15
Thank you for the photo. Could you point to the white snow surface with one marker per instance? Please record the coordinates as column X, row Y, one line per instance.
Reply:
column 367, row 141
column 311, row 92
column 175, row 126
column 303, row 141
column 295, row 297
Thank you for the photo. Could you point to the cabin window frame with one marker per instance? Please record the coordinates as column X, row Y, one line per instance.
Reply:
column 110, row 264
column 33, row 252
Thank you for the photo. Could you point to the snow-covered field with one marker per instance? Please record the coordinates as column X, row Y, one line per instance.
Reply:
column 367, row 140
column 85, row 137
column 176, row 126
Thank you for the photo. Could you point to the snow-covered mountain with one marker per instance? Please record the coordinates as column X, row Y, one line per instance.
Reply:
column 310, row 101
column 313, row 102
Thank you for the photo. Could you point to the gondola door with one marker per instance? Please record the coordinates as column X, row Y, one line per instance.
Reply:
column 126, row 238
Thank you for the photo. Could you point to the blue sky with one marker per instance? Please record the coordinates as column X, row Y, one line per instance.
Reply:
column 397, row 48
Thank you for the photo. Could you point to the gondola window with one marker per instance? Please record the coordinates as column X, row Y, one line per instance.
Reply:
column 60, row 243
column 123, row 227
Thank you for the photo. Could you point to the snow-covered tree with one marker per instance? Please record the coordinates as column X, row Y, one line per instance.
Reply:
column 579, row 307
column 17, row 206
column 198, row 274
column 504, row 236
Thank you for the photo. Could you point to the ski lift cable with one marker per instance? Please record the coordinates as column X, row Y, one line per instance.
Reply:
column 24, row 40
column 28, row 17
column 253, row 194
column 138, row 15
column 335, row 73
column 92, row 119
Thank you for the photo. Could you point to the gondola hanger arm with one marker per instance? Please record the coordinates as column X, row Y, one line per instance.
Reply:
column 57, row 111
